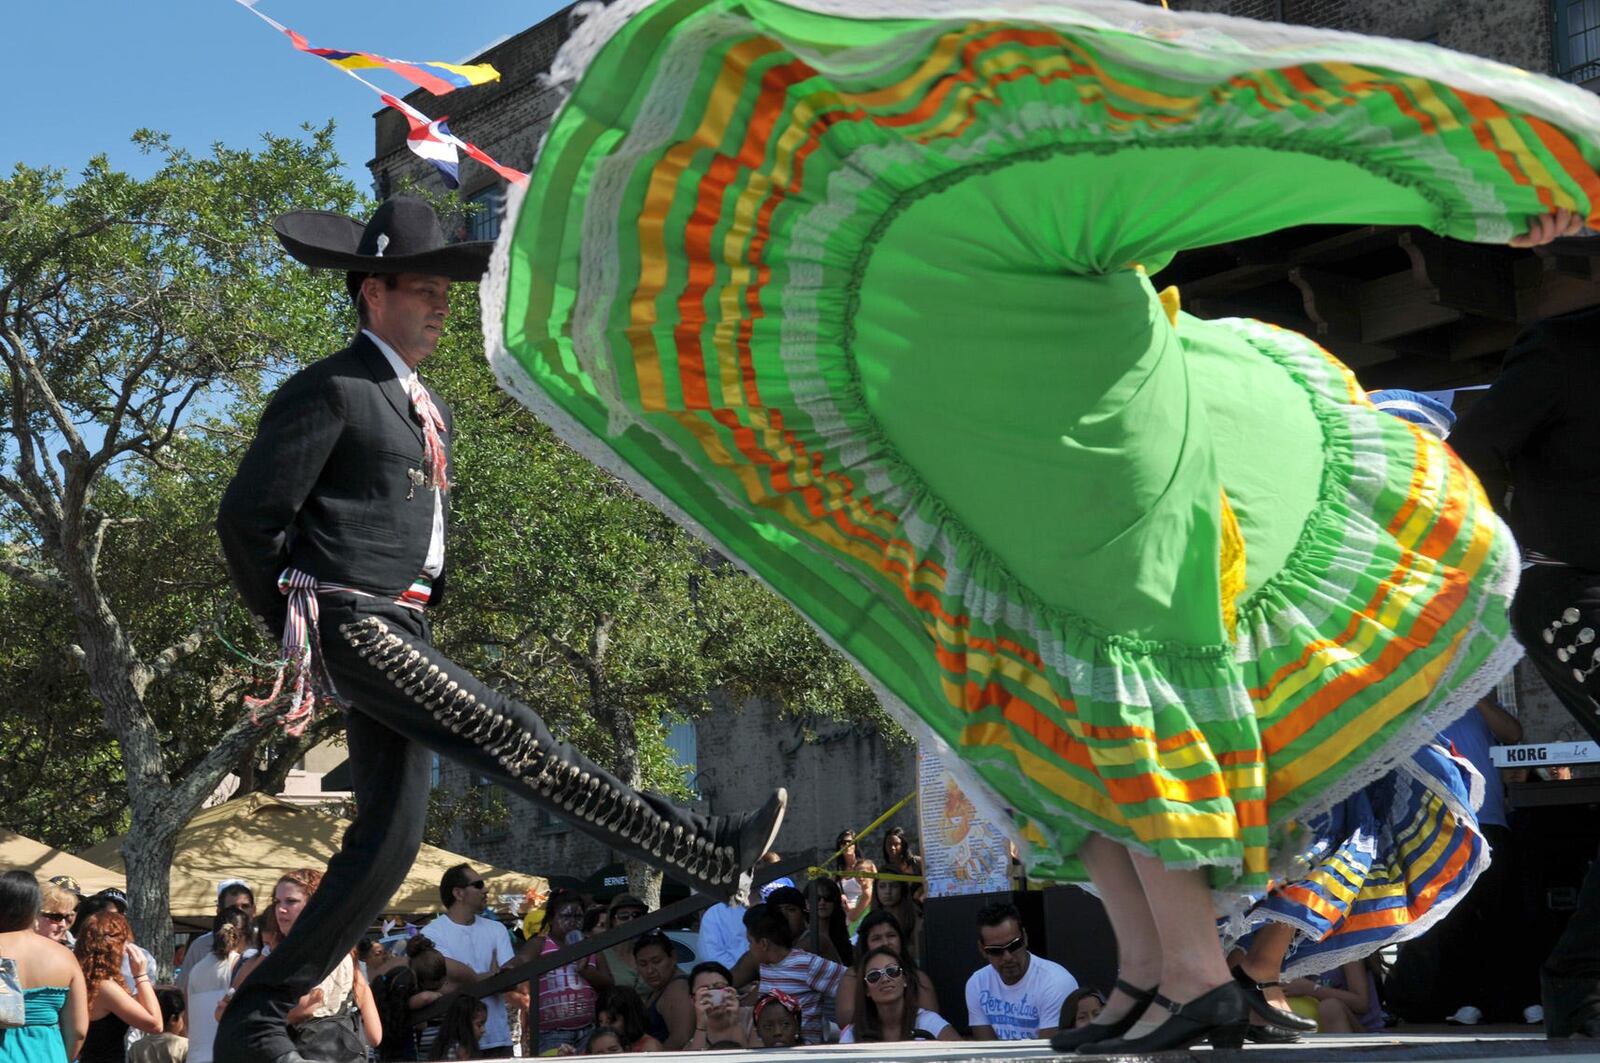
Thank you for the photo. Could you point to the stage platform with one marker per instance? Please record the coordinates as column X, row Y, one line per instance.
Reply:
column 1322, row 1048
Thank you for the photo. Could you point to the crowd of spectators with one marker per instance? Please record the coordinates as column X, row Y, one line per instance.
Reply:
column 760, row 976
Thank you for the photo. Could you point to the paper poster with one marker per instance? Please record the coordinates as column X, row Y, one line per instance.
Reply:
column 962, row 852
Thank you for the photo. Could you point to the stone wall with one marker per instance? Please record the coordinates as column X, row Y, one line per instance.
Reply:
column 1512, row 31
column 505, row 118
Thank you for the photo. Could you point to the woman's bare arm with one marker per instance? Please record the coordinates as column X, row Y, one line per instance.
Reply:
column 142, row 1012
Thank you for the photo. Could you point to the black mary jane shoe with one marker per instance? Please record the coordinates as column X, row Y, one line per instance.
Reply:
column 1255, row 996
column 1220, row 1016
column 1089, row 1033
column 1271, row 1035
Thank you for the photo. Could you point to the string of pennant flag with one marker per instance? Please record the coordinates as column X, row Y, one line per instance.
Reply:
column 428, row 138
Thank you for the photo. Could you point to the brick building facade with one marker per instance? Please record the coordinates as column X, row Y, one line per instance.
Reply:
column 843, row 776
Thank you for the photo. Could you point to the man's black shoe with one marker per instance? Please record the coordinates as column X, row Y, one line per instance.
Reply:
column 1571, row 1005
column 754, row 832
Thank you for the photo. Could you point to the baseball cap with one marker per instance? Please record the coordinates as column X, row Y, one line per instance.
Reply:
column 787, row 895
column 767, row 888
column 627, row 900
column 111, row 893
column 234, row 884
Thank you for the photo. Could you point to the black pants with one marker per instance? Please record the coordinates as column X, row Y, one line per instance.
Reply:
column 1571, row 974
column 408, row 701
column 1556, row 614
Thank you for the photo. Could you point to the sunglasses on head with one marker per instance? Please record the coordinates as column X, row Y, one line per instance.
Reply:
column 873, row 977
column 1011, row 946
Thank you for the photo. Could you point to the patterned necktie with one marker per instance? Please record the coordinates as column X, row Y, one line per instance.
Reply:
column 432, row 430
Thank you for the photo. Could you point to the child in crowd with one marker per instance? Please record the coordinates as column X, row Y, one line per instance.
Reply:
column 171, row 1045
column 622, row 1009
column 461, row 1029
column 1080, row 1007
column 605, row 1041
column 808, row 979
column 777, row 1016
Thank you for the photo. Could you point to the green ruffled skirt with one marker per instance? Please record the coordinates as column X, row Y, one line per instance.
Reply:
column 864, row 303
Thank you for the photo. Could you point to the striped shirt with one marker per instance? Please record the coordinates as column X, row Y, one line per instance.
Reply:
column 809, row 979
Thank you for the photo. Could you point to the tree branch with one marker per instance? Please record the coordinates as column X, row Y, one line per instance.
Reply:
column 163, row 663
column 46, row 393
column 39, row 581
column 230, row 747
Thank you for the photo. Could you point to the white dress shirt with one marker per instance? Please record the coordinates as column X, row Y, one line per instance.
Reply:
column 435, row 562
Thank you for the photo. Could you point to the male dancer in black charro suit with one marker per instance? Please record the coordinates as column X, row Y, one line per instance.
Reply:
column 334, row 528
column 1538, row 431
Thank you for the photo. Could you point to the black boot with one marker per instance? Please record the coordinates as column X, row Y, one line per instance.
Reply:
column 385, row 667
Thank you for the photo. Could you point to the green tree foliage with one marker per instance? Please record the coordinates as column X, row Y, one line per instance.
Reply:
column 142, row 324
column 140, row 321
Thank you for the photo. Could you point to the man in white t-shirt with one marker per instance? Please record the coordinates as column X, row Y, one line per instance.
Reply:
column 465, row 935
column 231, row 893
column 1016, row 995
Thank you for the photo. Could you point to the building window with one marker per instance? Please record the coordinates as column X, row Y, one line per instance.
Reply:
column 1578, row 39
column 492, row 824
column 484, row 222
column 684, row 742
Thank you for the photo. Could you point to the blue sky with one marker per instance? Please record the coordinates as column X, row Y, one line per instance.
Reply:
column 204, row 71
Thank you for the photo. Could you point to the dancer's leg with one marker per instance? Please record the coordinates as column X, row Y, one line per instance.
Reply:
column 1138, row 946
column 1185, row 922
column 1263, row 962
column 390, row 781
column 381, row 657
column 1335, row 1016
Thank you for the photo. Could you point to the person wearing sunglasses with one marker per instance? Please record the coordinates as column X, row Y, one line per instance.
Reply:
column 56, row 913
column 886, row 1004
column 1016, row 996
column 465, row 935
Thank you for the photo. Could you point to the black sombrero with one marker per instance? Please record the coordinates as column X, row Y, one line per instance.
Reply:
column 404, row 236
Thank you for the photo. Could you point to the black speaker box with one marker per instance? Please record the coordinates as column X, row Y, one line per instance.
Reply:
column 1553, row 846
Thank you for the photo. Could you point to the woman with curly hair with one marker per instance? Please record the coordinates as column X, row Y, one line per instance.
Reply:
column 102, row 943
column 893, row 896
